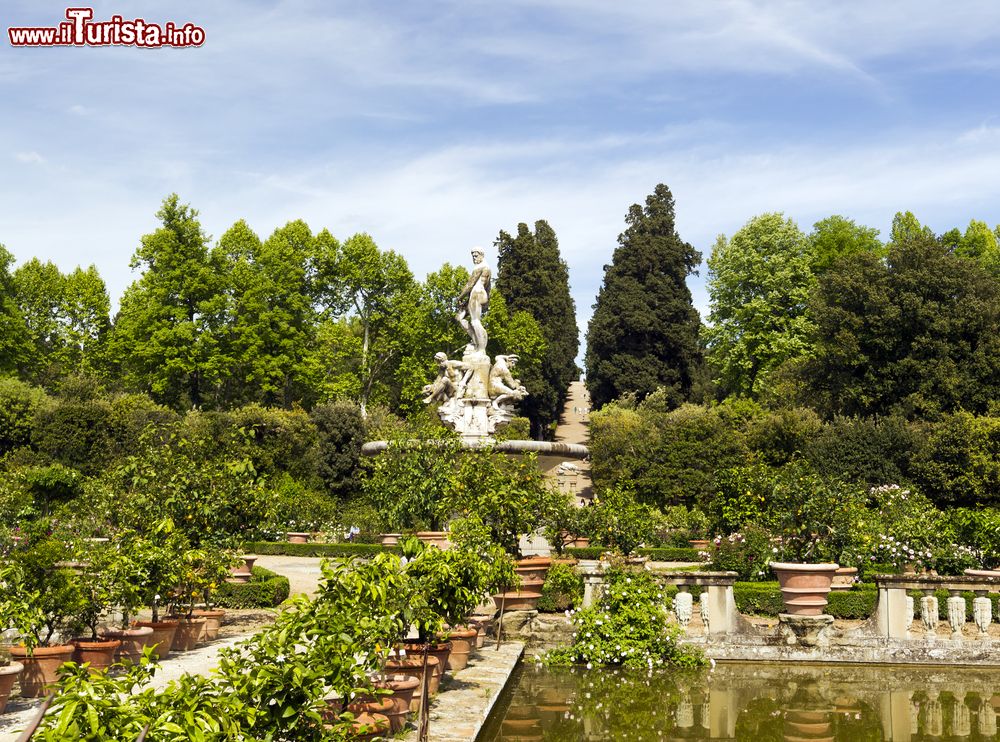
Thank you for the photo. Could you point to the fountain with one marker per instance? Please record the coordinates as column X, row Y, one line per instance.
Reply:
column 477, row 395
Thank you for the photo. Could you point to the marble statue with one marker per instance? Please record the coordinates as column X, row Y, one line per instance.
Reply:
column 476, row 294
column 474, row 394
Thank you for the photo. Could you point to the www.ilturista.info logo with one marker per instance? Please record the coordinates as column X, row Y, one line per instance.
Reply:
column 80, row 30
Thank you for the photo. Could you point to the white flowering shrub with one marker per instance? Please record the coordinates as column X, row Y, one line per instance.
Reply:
column 629, row 626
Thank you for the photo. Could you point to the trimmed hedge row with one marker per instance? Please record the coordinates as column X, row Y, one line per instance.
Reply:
column 284, row 548
column 266, row 589
column 663, row 554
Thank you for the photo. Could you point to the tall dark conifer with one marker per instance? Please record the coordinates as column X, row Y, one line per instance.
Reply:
column 644, row 332
column 533, row 278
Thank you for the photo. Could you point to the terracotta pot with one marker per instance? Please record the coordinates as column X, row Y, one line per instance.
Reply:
column 239, row 578
column 463, row 641
column 482, row 625
column 531, row 584
column 843, row 579
column 804, row 587
column 533, row 567
column 163, row 636
column 8, row 674
column 213, row 622
column 581, row 542
column 298, row 537
column 377, row 726
column 382, row 706
column 249, row 560
column 188, row 634
column 435, row 538
column 100, row 654
column 403, row 687
column 390, row 539
column 440, row 651
column 42, row 668
column 701, row 544
column 133, row 641
column 414, row 667
column 517, row 601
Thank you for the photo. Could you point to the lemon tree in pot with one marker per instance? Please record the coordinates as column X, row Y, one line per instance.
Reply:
column 127, row 577
column 96, row 573
column 158, row 555
column 56, row 597
column 18, row 611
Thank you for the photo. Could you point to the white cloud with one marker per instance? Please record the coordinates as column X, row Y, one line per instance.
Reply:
column 30, row 158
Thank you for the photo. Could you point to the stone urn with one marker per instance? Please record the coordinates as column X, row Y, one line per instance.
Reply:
column 804, row 587
column 390, row 539
column 298, row 537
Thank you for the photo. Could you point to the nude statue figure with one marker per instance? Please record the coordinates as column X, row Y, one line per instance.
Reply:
column 477, row 296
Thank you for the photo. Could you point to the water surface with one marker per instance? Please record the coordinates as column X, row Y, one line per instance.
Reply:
column 756, row 703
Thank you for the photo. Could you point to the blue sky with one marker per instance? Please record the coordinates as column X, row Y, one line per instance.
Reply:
column 433, row 125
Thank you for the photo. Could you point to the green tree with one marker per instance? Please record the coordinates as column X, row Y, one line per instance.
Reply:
column 15, row 341
column 371, row 281
column 86, row 316
column 837, row 236
column 39, row 288
column 166, row 334
column 271, row 318
column 759, row 285
column 918, row 334
column 644, row 331
column 533, row 278
column 980, row 243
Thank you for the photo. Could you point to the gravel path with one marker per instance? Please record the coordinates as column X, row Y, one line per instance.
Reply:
column 303, row 573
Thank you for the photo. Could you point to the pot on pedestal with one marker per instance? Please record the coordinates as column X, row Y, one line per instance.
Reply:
column 804, row 587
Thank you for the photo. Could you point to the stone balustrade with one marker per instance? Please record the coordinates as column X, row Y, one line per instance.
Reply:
column 897, row 610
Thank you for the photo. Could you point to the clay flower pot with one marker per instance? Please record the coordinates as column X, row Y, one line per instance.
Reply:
column 298, row 537
column 368, row 726
column 581, row 542
column 8, row 674
column 163, row 636
column 435, row 538
column 403, row 687
column 533, row 568
column 188, row 634
column 390, row 539
column 41, row 669
column 440, row 651
column 804, row 587
column 213, row 622
column 133, row 641
column 382, row 706
column 844, row 578
column 482, row 625
column 413, row 666
column 517, row 601
column 463, row 641
column 100, row 654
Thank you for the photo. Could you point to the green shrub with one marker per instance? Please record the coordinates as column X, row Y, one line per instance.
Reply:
column 340, row 430
column 266, row 589
column 764, row 599
column 869, row 451
column 75, row 432
column 747, row 553
column 19, row 402
column 563, row 589
column 959, row 465
column 661, row 554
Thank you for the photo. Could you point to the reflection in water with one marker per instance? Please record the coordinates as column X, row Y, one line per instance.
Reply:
column 759, row 703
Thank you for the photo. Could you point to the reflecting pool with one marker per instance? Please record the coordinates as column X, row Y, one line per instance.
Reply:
column 757, row 703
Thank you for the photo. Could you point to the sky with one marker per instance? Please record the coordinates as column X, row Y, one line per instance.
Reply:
column 433, row 125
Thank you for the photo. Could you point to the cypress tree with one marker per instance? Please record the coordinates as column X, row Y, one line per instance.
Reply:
column 644, row 331
column 533, row 278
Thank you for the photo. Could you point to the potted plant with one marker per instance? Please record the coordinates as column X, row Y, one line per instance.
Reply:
column 52, row 593
column 17, row 610
column 217, row 566
column 816, row 521
column 159, row 555
column 195, row 575
column 97, row 593
column 126, row 579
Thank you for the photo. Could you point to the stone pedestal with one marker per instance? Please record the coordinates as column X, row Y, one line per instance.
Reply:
column 806, row 631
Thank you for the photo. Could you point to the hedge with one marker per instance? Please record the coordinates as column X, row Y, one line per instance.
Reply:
column 266, row 589
column 283, row 548
column 664, row 554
